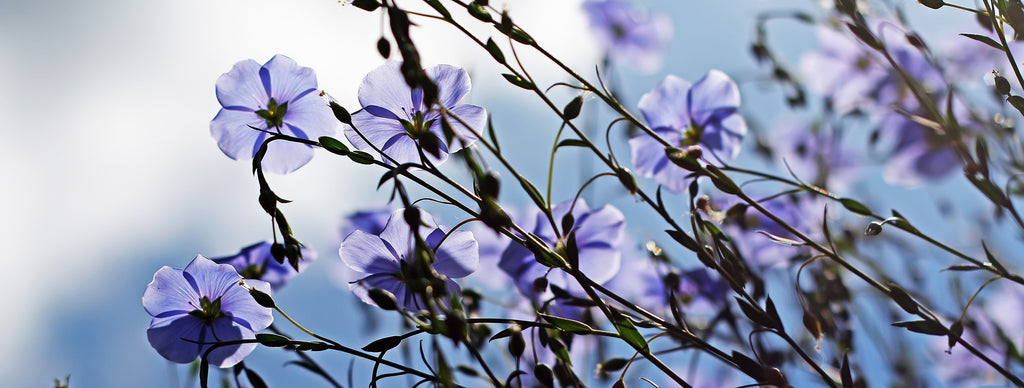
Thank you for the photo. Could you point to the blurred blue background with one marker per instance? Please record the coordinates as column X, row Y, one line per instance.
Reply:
column 110, row 171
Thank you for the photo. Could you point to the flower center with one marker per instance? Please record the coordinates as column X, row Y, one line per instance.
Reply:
column 418, row 126
column 254, row 271
column 618, row 31
column 274, row 114
column 208, row 311
column 692, row 135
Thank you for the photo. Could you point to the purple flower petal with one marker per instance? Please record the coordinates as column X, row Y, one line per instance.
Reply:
column 452, row 82
column 367, row 253
column 166, row 337
column 711, row 94
column 385, row 87
column 234, row 136
column 666, row 105
column 458, row 255
column 241, row 87
column 288, row 80
column 210, row 279
column 169, row 293
column 649, row 160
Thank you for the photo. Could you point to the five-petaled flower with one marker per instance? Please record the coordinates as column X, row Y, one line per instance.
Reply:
column 257, row 262
column 205, row 303
column 395, row 120
column 599, row 235
column 259, row 101
column 387, row 260
column 705, row 113
column 628, row 33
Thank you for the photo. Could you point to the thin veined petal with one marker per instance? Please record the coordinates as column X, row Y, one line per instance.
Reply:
column 369, row 254
column 388, row 282
column 474, row 116
column 288, row 80
column 169, row 292
column 210, row 279
column 166, row 337
column 606, row 225
column 234, row 136
column 714, row 92
column 385, row 87
column 666, row 105
column 285, row 156
column 379, row 132
column 313, row 116
column 458, row 255
column 241, row 87
column 224, row 330
column 452, row 82
column 243, row 308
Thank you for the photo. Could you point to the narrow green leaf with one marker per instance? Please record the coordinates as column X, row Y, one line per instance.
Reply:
column 629, row 333
column 518, row 81
column 923, row 327
column 333, row 145
column 495, row 51
column 383, row 344
column 986, row 40
column 572, row 143
column 568, row 325
column 855, row 207
column 361, row 157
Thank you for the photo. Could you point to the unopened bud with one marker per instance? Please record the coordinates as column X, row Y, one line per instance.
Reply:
column 262, row 298
column 694, row 152
column 540, row 285
column 1002, row 85
column 383, row 299
column 874, row 228
column 933, row 4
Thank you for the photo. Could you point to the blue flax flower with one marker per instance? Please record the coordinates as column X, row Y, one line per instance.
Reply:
column 599, row 238
column 279, row 97
column 383, row 260
column 202, row 304
column 394, row 118
column 628, row 33
column 705, row 113
column 256, row 262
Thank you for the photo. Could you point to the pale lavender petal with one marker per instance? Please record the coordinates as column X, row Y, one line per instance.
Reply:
column 234, row 136
column 473, row 115
column 210, row 279
column 666, row 105
column 452, row 82
column 241, row 87
column 243, row 308
column 378, row 131
column 385, row 87
column 600, row 263
column 284, row 156
column 312, row 115
column 715, row 92
column 224, row 330
column 458, row 254
column 605, row 225
column 388, row 282
column 166, row 336
column 288, row 80
column 367, row 253
column 406, row 150
column 723, row 138
column 169, row 293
